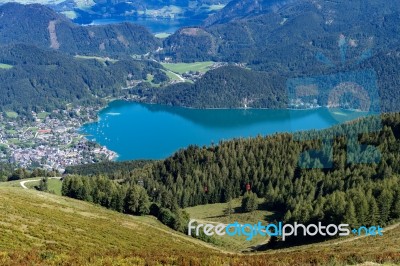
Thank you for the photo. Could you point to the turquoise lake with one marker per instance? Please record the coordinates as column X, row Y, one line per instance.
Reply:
column 143, row 131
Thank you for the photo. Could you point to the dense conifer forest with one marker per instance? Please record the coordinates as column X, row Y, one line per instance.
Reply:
column 348, row 192
column 51, row 80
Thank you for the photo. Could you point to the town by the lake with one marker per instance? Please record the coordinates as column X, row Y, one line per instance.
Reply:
column 49, row 140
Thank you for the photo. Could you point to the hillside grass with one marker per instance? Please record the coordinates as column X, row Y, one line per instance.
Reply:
column 45, row 229
column 215, row 213
column 54, row 186
column 181, row 68
column 41, row 228
column 16, row 183
column 171, row 75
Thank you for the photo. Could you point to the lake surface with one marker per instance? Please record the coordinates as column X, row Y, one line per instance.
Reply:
column 142, row 131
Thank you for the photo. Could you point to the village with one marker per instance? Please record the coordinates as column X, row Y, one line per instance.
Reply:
column 50, row 140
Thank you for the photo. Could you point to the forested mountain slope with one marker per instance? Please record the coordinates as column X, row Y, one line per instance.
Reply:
column 50, row 79
column 289, row 38
column 41, row 26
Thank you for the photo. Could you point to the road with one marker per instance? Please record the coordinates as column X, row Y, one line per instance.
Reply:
column 22, row 183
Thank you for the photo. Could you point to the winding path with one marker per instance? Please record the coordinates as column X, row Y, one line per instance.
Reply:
column 22, row 183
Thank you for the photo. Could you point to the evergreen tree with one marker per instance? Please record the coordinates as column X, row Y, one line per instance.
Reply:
column 43, row 184
column 373, row 218
column 144, row 202
column 350, row 215
column 384, row 202
column 229, row 209
column 396, row 206
column 249, row 202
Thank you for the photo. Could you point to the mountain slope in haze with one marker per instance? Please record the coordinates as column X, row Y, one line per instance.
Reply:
column 41, row 26
column 290, row 37
column 146, row 9
column 237, row 87
column 238, row 9
column 301, row 38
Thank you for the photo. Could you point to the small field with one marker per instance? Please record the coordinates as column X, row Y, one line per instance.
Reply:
column 181, row 68
column 42, row 115
column 5, row 66
column 162, row 35
column 216, row 7
column 214, row 213
column 149, row 79
column 172, row 76
column 170, row 11
column 70, row 14
column 11, row 114
column 98, row 58
column 54, row 186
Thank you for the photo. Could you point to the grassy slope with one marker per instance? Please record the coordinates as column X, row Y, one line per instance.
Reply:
column 214, row 213
column 44, row 229
column 16, row 183
column 54, row 185
column 41, row 227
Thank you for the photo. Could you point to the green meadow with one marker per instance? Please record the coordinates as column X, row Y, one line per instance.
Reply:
column 11, row 114
column 181, row 68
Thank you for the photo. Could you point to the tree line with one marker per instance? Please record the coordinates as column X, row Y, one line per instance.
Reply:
column 355, row 193
column 126, row 196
